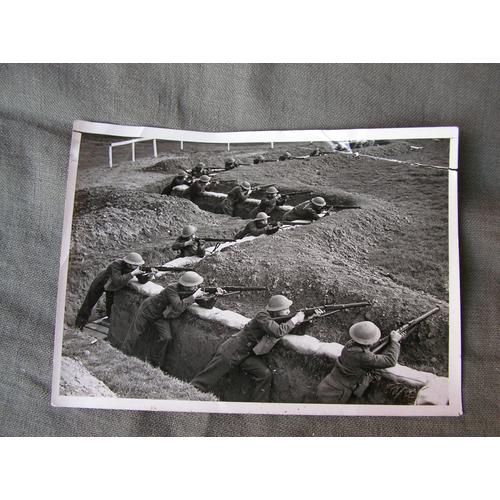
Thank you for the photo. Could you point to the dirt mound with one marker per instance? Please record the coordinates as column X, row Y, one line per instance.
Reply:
column 77, row 381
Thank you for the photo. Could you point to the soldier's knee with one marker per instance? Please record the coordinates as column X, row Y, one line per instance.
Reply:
column 265, row 374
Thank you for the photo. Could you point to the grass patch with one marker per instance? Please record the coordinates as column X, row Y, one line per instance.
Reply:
column 127, row 376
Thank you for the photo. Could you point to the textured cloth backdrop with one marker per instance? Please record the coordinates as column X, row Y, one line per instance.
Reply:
column 38, row 104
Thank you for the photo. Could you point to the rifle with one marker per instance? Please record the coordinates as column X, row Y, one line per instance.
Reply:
column 264, row 186
column 267, row 342
column 328, row 308
column 232, row 288
column 265, row 160
column 403, row 331
column 209, row 302
column 148, row 269
column 330, row 208
column 214, row 239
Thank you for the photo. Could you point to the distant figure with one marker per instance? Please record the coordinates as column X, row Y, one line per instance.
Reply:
column 197, row 188
column 237, row 350
column 315, row 152
column 199, row 170
column 179, row 180
column 307, row 210
column 271, row 200
column 351, row 373
column 285, row 156
column 150, row 332
column 257, row 227
column 235, row 198
column 258, row 159
column 230, row 163
column 115, row 277
column 188, row 244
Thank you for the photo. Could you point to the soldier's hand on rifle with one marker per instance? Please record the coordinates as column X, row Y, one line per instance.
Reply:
column 395, row 336
column 136, row 271
column 298, row 318
column 199, row 293
column 319, row 311
column 220, row 291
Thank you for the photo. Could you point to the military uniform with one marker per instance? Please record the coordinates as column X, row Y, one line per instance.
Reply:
column 198, row 171
column 234, row 198
column 113, row 278
column 149, row 333
column 351, row 373
column 194, row 191
column 303, row 211
column 252, row 229
column 238, row 351
column 267, row 205
column 195, row 248
column 176, row 181
column 229, row 165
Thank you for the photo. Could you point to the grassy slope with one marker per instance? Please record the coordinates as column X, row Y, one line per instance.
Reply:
column 127, row 376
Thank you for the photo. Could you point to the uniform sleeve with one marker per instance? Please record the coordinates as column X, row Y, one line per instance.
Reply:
column 256, row 231
column 272, row 328
column 239, row 196
column 178, row 245
column 388, row 359
column 241, row 233
column 176, row 306
column 311, row 213
column 117, row 279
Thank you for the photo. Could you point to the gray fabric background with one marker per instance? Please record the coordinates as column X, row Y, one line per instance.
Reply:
column 38, row 104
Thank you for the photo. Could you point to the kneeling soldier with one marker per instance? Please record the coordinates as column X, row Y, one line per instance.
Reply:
column 115, row 277
column 188, row 244
column 196, row 189
column 235, row 198
column 285, row 156
column 179, row 180
column 257, row 227
column 149, row 334
column 271, row 200
column 238, row 349
column 307, row 210
column 351, row 373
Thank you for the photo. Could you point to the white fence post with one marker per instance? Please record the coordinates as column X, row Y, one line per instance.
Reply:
column 110, row 154
column 133, row 151
column 155, row 150
column 228, row 146
column 272, row 145
column 182, row 145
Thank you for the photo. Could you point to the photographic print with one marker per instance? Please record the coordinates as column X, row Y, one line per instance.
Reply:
column 286, row 272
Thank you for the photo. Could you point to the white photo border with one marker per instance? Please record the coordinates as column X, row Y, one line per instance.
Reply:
column 453, row 408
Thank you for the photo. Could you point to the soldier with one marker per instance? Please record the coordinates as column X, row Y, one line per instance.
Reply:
column 285, row 156
column 196, row 189
column 257, row 227
column 150, row 332
column 113, row 278
column 188, row 244
column 307, row 210
column 230, row 163
column 315, row 152
column 179, row 180
column 199, row 170
column 351, row 373
column 258, row 159
column 238, row 349
column 235, row 198
column 271, row 200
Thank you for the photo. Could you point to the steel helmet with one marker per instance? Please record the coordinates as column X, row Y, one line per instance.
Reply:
column 190, row 279
column 262, row 216
column 181, row 173
column 188, row 231
column 245, row 185
column 272, row 190
column 230, row 160
column 278, row 303
column 318, row 201
column 287, row 154
column 134, row 259
column 200, row 165
column 364, row 332
column 205, row 179
column 260, row 158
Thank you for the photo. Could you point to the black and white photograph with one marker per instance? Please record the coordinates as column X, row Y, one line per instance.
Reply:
column 284, row 272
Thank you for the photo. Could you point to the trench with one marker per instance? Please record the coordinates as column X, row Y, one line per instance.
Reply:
column 298, row 364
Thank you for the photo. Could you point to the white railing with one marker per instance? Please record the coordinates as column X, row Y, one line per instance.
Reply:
column 132, row 142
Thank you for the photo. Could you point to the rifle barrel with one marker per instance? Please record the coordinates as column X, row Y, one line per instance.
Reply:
column 232, row 288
